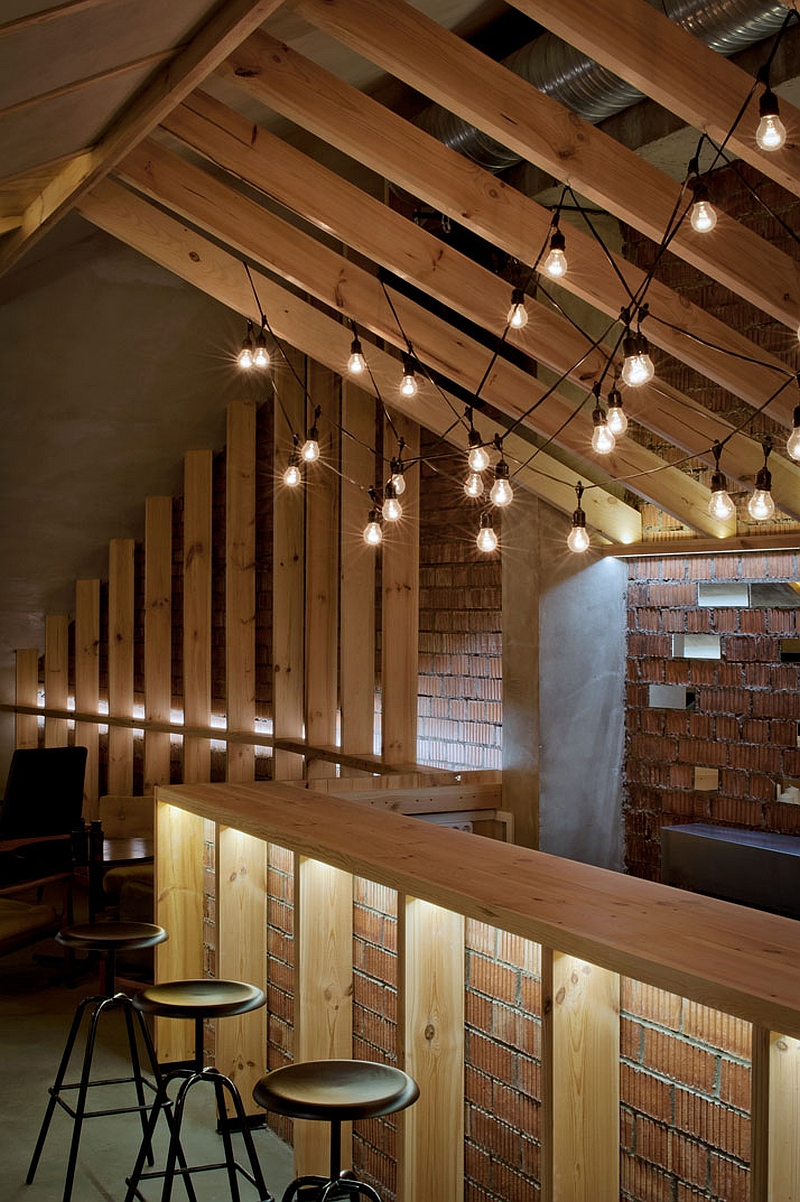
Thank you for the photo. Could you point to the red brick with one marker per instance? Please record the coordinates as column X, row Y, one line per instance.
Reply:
column 721, row 1030
column 645, row 1093
column 734, row 1084
column 715, row 1125
column 648, row 1002
column 490, row 1057
column 729, row 1180
column 493, row 979
column 681, row 1061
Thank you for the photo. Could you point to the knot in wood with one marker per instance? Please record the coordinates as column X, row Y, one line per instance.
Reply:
column 430, row 1031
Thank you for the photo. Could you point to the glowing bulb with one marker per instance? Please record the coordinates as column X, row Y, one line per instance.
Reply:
column 356, row 364
column 771, row 132
column 373, row 535
column 501, row 492
column 261, row 356
column 478, row 457
column 703, row 217
column 474, row 486
column 603, row 440
column 487, row 539
column 408, row 384
column 398, row 478
column 616, row 418
column 310, row 451
column 578, row 539
column 517, row 316
column 793, row 441
column 761, row 506
column 720, row 506
column 392, row 509
column 638, row 366
column 556, row 262
column 245, row 356
column 292, row 476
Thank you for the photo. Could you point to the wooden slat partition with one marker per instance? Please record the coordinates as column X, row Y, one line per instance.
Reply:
column 120, row 662
column 56, row 676
column 357, row 576
column 87, row 684
column 322, row 572
column 400, row 615
column 197, row 502
column 26, row 691
column 240, row 584
column 157, row 637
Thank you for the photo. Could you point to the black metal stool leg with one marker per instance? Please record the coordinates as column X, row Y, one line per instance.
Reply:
column 161, row 1102
column 227, row 1142
column 247, row 1137
column 137, row 1073
column 294, row 1187
column 80, row 1105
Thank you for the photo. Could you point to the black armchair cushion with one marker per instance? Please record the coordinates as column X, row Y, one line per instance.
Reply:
column 44, row 793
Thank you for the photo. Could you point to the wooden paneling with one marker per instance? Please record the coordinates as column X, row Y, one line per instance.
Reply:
column 87, row 683
column 775, row 1109
column 120, row 662
column 56, row 677
column 240, row 584
column 431, row 1035
column 197, row 611
column 157, row 637
column 400, row 609
column 26, row 691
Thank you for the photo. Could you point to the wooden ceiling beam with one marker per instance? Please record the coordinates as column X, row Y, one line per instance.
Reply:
column 365, row 224
column 345, row 288
column 456, row 75
column 228, row 26
column 217, row 272
column 647, row 49
column 298, row 89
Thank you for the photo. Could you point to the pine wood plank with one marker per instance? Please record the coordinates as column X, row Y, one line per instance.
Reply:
column 323, row 992
column 435, row 799
column 760, row 1114
column 240, row 584
column 26, row 691
column 784, row 1117
column 400, row 610
column 120, row 662
column 87, row 684
column 56, row 676
column 431, row 1034
column 197, row 611
column 241, row 912
column 157, row 637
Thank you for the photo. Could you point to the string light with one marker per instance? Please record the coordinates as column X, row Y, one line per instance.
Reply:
column 517, row 316
column 356, row 364
column 392, row 509
column 578, row 540
column 261, row 354
column 638, row 366
column 616, row 418
column 603, row 441
column 310, row 451
column 478, row 457
column 555, row 265
column 761, row 506
column 720, row 506
column 373, row 532
column 771, row 132
column 397, row 469
column 793, row 441
column 501, row 493
column 245, row 356
column 487, row 538
column 474, row 486
column 703, row 217
column 408, row 384
column 292, row 476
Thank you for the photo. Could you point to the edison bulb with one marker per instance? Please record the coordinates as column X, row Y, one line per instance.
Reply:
column 292, row 477
column 617, row 420
column 399, row 482
column 245, row 356
column 392, row 510
column 761, row 506
column 556, row 263
column 721, row 506
column 261, row 356
column 310, row 451
column 474, row 486
column 771, row 132
column 501, row 493
column 638, row 369
column 478, row 459
column 603, row 441
column 408, row 384
column 487, row 539
column 793, row 443
column 373, row 535
column 517, row 316
column 703, row 217
column 578, row 539
column 356, row 364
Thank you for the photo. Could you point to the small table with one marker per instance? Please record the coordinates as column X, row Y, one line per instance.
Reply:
column 116, row 852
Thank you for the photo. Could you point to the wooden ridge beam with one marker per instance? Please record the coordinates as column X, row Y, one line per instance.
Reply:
column 646, row 48
column 220, row 274
column 298, row 89
column 741, row 544
column 364, row 223
column 454, row 74
column 229, row 25
column 254, row 232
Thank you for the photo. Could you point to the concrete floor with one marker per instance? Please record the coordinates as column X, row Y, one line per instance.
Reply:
column 35, row 1013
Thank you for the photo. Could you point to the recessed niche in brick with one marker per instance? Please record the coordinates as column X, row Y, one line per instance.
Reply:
column 706, row 780
column 790, row 651
column 696, row 646
column 670, row 697
column 723, row 596
column 775, row 596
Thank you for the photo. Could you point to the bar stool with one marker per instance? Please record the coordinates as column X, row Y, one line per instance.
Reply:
column 198, row 1000
column 336, row 1092
column 107, row 938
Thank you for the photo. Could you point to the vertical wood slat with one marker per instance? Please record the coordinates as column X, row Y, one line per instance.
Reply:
column 322, row 574
column 357, row 577
column 157, row 637
column 87, row 684
column 288, row 574
column 400, row 617
column 431, row 1036
column 179, row 846
column 240, row 585
column 580, row 1062
column 323, row 992
column 56, row 677
column 241, row 910
column 775, row 1165
column 26, row 728
column 120, row 662
column 197, row 611
column 760, row 1115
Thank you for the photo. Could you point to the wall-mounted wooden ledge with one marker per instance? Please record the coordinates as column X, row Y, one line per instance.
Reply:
column 724, row 956
column 703, row 546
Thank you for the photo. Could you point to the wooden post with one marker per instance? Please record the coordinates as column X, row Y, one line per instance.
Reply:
column 431, row 1035
column 56, row 677
column 322, row 573
column 197, row 612
column 357, row 577
column 775, row 1172
column 120, row 662
column 87, row 683
column 580, row 1070
column 240, row 585
column 157, row 637
column 323, row 991
column 400, row 618
column 27, row 693
column 288, row 572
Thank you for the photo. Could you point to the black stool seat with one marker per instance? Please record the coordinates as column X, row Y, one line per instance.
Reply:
column 198, row 1000
column 106, row 938
column 335, row 1091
